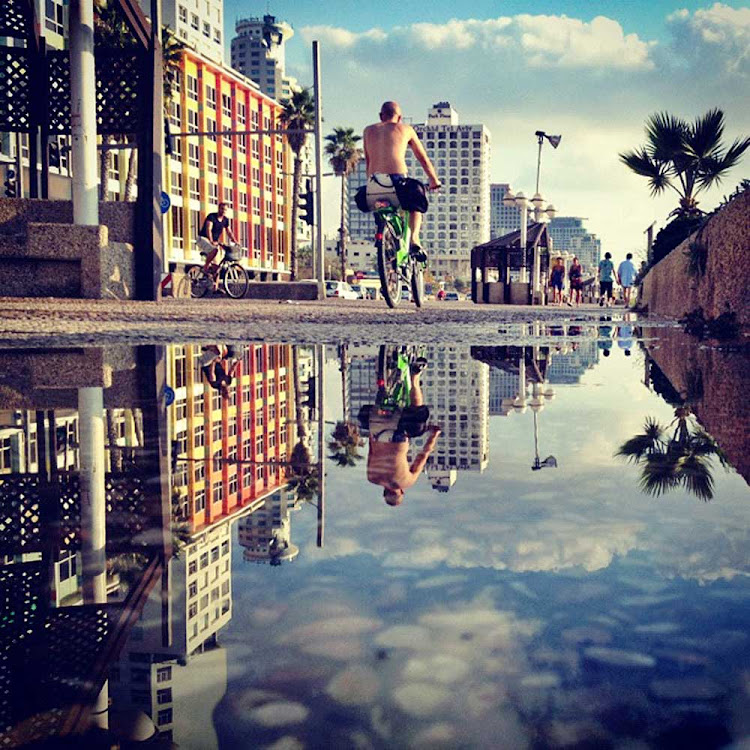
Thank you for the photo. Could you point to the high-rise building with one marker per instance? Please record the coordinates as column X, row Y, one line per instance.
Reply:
column 569, row 367
column 503, row 219
column 266, row 534
column 259, row 52
column 459, row 214
column 197, row 23
column 503, row 389
column 456, row 388
column 569, row 234
column 361, row 225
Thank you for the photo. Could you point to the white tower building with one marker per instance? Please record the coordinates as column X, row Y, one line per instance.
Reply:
column 259, row 52
column 197, row 23
column 456, row 388
column 459, row 215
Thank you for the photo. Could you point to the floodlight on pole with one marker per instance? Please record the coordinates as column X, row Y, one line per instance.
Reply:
column 554, row 141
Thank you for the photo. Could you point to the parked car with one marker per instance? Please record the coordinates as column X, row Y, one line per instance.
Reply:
column 358, row 289
column 451, row 297
column 340, row 289
column 406, row 294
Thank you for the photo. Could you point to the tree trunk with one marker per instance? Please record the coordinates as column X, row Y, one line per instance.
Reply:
column 132, row 172
column 344, row 373
column 105, row 161
column 342, row 228
column 296, row 185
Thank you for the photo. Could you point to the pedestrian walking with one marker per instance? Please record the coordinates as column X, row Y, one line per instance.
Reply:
column 556, row 279
column 606, row 280
column 626, row 276
column 575, row 276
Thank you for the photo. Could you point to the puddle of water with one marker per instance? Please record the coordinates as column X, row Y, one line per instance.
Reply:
column 545, row 542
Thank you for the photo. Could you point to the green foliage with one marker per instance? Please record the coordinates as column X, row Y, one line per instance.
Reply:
column 722, row 328
column 343, row 151
column 345, row 443
column 671, row 235
column 298, row 113
column 687, row 157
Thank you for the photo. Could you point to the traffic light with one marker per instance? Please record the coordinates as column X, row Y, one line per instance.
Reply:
column 307, row 206
column 168, row 140
column 310, row 400
column 10, row 182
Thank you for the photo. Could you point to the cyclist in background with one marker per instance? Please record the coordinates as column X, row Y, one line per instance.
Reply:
column 385, row 155
column 210, row 236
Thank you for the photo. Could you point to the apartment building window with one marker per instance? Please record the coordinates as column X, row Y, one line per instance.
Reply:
column 182, row 10
column 193, row 155
column 213, row 192
column 192, row 590
column 269, row 211
column 192, row 85
column 200, row 500
column 194, row 190
column 227, row 195
column 255, row 149
column 164, row 717
column 243, row 229
column 259, row 445
column 256, row 177
column 207, row 30
column 243, row 174
column 243, row 206
column 177, row 183
column 217, row 36
column 256, row 212
column 200, row 472
column 268, row 155
column 242, row 144
column 54, row 19
column 199, row 436
column 226, row 162
column 211, row 126
column 192, row 121
column 178, row 227
column 192, row 567
column 163, row 674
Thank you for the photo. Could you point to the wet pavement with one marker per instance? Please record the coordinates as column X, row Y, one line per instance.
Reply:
column 209, row 545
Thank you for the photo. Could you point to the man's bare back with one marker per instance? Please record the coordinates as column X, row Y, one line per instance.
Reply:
column 385, row 147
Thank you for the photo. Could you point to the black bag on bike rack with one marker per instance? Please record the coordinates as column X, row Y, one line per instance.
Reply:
column 360, row 198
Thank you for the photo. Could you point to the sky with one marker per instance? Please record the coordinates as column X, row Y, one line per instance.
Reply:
column 591, row 71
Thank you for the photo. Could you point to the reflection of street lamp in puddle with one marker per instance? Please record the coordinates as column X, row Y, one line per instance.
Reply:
column 537, row 404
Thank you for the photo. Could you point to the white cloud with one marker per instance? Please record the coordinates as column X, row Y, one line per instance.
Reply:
column 715, row 37
column 540, row 40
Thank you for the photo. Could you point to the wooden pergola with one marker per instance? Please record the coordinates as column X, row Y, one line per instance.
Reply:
column 493, row 261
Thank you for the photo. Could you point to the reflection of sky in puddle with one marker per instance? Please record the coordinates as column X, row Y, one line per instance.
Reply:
column 552, row 607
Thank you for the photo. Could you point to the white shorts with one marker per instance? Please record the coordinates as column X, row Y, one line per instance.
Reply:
column 380, row 187
column 204, row 246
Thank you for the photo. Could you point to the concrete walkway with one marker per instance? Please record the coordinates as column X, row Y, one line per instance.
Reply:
column 61, row 322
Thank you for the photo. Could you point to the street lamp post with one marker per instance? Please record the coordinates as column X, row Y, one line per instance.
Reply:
column 520, row 201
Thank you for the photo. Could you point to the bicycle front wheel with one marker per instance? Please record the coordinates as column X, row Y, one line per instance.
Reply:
column 417, row 283
column 235, row 280
column 390, row 280
column 199, row 280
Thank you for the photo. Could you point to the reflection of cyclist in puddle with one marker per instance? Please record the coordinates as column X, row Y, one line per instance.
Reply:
column 390, row 432
column 219, row 365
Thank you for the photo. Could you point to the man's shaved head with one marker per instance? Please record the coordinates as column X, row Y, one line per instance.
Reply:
column 389, row 110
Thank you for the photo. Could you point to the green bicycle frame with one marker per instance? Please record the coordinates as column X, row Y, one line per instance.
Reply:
column 400, row 395
column 399, row 221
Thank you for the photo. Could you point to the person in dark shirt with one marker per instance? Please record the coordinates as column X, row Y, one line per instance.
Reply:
column 210, row 236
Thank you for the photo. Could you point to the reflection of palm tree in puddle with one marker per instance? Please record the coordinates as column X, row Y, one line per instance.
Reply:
column 671, row 459
column 345, row 444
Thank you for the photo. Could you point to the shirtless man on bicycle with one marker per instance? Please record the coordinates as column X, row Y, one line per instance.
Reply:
column 385, row 151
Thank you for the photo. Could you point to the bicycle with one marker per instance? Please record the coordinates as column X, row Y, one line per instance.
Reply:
column 228, row 275
column 396, row 265
column 394, row 379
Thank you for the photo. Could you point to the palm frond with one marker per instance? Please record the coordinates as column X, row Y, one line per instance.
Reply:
column 665, row 134
column 643, row 164
column 703, row 137
column 715, row 167
column 658, row 475
column 694, row 473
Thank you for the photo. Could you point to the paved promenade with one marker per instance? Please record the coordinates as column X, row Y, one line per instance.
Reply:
column 48, row 322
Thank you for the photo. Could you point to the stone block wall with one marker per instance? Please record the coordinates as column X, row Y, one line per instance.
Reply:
column 43, row 254
column 668, row 290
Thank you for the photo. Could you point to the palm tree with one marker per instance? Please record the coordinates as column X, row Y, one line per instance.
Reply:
column 670, row 460
column 343, row 153
column 685, row 157
column 345, row 444
column 298, row 115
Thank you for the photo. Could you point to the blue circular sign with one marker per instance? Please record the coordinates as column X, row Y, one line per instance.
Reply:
column 165, row 202
column 168, row 395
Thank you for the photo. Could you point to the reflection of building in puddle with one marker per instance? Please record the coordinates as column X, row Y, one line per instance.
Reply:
column 456, row 388
column 164, row 667
column 568, row 367
column 227, row 450
column 266, row 534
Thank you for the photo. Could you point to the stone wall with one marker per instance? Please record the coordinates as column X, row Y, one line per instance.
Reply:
column 42, row 254
column 723, row 409
column 669, row 290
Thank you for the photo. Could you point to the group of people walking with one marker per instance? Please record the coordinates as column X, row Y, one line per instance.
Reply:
column 607, row 275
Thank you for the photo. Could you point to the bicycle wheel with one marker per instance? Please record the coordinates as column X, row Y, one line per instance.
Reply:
column 417, row 282
column 390, row 280
column 200, row 281
column 235, row 280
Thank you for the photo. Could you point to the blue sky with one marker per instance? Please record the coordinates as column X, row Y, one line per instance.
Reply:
column 591, row 71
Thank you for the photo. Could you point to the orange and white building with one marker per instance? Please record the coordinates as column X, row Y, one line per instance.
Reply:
column 249, row 172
